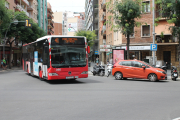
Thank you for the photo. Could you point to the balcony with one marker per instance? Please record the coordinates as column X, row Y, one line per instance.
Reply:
column 161, row 15
column 103, row 4
column 22, row 9
column 96, row 18
column 26, row 2
column 96, row 8
column 30, row 8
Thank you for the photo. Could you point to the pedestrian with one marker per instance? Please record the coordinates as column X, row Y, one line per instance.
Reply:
column 4, row 64
column 97, row 60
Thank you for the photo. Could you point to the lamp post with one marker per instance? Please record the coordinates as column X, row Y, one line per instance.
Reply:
column 15, row 22
column 153, row 33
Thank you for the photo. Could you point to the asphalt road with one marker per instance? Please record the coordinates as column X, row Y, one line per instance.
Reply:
column 23, row 97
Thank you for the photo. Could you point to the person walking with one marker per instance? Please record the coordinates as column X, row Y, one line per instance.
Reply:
column 97, row 60
column 4, row 64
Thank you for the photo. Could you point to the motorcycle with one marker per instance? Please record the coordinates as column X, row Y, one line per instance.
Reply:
column 109, row 69
column 98, row 69
column 174, row 73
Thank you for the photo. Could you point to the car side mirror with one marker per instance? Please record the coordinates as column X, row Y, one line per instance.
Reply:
column 144, row 67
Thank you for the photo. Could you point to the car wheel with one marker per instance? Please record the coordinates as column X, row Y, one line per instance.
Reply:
column 118, row 75
column 152, row 77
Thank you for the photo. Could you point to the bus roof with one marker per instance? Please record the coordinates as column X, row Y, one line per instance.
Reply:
column 49, row 36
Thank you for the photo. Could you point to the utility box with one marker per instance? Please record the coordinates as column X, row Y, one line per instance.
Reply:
column 151, row 59
column 159, row 63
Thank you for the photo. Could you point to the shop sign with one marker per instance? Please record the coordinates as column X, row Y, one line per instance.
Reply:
column 136, row 47
column 105, row 50
column 96, row 52
column 105, row 46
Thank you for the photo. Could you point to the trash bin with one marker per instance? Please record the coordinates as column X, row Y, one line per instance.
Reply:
column 89, row 64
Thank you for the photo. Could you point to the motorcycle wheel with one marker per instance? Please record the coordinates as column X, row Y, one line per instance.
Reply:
column 94, row 73
column 108, row 74
column 174, row 79
column 101, row 73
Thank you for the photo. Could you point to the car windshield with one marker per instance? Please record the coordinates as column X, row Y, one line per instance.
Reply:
column 147, row 64
column 68, row 56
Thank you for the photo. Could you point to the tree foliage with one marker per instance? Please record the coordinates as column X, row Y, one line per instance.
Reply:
column 4, row 18
column 124, row 13
column 90, row 36
column 170, row 10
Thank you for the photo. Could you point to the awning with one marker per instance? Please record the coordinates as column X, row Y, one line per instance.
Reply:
column 163, row 26
column 108, row 53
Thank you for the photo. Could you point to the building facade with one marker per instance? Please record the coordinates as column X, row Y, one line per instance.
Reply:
column 50, row 21
column 92, row 24
column 57, row 28
column 42, row 15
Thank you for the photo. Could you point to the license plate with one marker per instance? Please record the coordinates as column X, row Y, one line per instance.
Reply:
column 175, row 74
column 70, row 77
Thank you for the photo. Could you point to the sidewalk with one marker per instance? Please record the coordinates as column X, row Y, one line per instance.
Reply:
column 12, row 68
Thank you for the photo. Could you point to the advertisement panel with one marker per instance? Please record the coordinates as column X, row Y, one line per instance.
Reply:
column 72, row 27
column 118, row 54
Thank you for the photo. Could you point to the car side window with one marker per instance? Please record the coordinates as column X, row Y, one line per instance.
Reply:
column 138, row 64
column 125, row 63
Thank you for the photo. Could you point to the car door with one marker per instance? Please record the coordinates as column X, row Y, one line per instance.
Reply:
column 138, row 71
column 126, row 69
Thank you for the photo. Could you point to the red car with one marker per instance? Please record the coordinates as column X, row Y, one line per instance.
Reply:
column 137, row 69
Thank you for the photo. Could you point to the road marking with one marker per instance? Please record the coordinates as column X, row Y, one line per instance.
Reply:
column 177, row 118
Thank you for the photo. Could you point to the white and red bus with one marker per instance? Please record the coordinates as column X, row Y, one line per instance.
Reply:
column 57, row 57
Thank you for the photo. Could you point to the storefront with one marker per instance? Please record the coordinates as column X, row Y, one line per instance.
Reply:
column 168, row 52
column 140, row 52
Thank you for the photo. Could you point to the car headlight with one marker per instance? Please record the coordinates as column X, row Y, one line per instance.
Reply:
column 53, row 74
column 159, row 71
column 85, row 72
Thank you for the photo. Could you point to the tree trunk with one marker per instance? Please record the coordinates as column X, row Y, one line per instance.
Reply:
column 10, row 43
column 128, row 42
column 179, row 51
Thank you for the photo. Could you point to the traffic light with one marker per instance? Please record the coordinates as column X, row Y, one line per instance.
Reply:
column 27, row 24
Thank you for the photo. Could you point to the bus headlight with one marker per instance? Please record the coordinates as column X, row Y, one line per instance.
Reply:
column 53, row 74
column 85, row 72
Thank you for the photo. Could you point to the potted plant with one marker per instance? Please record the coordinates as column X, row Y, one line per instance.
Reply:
column 162, row 37
column 170, row 40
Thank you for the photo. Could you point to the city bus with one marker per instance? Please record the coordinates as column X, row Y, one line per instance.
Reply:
column 57, row 57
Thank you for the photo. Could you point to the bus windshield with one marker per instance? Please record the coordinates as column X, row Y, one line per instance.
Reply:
column 63, row 56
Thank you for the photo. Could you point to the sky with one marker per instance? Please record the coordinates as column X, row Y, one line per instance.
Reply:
column 67, row 5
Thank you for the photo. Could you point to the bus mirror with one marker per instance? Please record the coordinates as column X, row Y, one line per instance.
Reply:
column 88, row 49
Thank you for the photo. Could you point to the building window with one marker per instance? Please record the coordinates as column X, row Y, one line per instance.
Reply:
column 145, row 31
column 146, row 6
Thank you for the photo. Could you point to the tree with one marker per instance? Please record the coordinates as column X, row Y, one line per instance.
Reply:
column 170, row 9
column 20, row 33
column 4, row 18
column 90, row 36
column 125, row 13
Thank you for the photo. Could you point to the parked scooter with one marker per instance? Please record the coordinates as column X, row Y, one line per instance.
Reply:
column 174, row 73
column 98, row 69
column 109, row 69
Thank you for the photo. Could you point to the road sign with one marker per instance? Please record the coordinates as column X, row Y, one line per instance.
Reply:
column 153, row 47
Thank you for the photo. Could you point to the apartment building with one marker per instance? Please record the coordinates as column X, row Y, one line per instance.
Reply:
column 72, row 22
column 42, row 15
column 50, row 21
column 92, row 24
column 141, row 39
